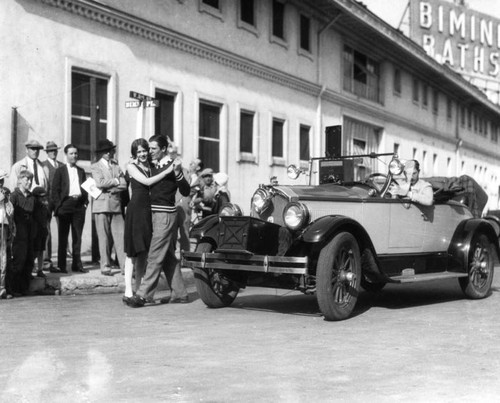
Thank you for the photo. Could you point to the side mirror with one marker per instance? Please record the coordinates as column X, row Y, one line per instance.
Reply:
column 293, row 172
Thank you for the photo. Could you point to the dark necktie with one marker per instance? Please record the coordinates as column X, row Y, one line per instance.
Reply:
column 35, row 171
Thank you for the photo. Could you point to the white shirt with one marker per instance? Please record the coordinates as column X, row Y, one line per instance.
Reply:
column 74, row 184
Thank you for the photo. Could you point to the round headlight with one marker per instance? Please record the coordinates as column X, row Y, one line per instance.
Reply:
column 260, row 200
column 230, row 209
column 396, row 167
column 295, row 215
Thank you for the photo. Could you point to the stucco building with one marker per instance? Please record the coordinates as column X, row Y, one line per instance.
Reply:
column 248, row 85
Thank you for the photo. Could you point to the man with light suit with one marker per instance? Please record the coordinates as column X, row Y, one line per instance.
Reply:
column 107, row 208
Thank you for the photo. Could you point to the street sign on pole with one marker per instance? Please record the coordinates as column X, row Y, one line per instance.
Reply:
column 132, row 104
column 139, row 96
column 153, row 103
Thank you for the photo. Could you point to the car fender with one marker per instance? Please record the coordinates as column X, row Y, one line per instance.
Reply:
column 460, row 244
column 323, row 230
column 207, row 228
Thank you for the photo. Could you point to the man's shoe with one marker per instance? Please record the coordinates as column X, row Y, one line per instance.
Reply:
column 3, row 294
column 165, row 300
column 47, row 265
column 55, row 269
column 63, row 271
column 136, row 302
column 182, row 300
column 106, row 272
column 41, row 274
column 80, row 270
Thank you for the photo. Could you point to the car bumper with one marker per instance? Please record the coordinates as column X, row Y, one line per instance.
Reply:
column 246, row 262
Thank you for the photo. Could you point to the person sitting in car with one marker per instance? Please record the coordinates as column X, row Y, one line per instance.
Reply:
column 417, row 190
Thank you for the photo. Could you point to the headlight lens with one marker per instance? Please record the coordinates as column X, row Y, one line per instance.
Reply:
column 260, row 200
column 396, row 167
column 295, row 215
column 232, row 210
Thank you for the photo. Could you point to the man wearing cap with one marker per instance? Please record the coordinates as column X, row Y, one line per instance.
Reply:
column 204, row 200
column 32, row 164
column 107, row 208
column 50, row 165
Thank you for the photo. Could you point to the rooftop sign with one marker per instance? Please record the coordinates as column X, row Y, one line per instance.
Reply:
column 466, row 40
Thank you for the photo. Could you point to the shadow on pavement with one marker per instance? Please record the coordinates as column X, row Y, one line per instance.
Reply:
column 393, row 296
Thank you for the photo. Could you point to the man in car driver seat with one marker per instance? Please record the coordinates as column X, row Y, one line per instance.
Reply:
column 417, row 190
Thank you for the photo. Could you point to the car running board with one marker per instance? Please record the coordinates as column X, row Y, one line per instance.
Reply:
column 411, row 277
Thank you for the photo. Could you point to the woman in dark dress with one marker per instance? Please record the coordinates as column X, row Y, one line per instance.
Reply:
column 138, row 227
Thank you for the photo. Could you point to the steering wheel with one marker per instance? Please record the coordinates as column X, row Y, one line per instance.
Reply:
column 370, row 181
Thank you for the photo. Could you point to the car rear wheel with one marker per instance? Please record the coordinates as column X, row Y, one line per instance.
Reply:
column 216, row 290
column 480, row 268
column 338, row 277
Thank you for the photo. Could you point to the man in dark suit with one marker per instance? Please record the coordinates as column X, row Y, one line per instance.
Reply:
column 49, row 166
column 70, row 202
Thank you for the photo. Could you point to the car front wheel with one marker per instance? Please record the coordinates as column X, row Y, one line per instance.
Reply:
column 338, row 277
column 480, row 268
column 216, row 290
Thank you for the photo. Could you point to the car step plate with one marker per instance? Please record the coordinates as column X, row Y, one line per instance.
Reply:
column 413, row 278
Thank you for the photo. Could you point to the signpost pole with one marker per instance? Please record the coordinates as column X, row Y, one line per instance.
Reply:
column 139, row 132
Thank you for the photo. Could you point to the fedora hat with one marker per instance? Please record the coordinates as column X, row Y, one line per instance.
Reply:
column 51, row 146
column 104, row 145
column 33, row 144
column 3, row 174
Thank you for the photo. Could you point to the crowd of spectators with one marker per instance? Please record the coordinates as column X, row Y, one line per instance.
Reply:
column 140, row 214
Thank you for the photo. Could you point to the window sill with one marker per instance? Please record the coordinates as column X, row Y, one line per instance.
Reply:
column 306, row 53
column 278, row 161
column 304, row 165
column 279, row 41
column 214, row 12
column 247, row 157
column 248, row 27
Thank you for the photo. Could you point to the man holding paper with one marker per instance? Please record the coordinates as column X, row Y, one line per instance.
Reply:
column 107, row 207
column 70, row 201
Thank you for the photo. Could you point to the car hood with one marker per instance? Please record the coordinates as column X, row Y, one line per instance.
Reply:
column 328, row 191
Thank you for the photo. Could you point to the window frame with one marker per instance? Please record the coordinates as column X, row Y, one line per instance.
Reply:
column 85, row 67
column 416, row 90
column 397, row 79
column 252, row 28
column 243, row 156
column 282, row 41
column 276, row 160
column 304, row 163
column 305, row 17
column 217, row 12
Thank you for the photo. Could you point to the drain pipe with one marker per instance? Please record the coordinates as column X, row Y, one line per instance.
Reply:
column 13, row 136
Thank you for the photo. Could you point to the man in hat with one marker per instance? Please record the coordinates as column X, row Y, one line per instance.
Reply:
column 107, row 208
column 50, row 165
column 204, row 199
column 32, row 164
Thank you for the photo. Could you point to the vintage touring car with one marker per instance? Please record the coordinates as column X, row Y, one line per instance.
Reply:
column 333, row 238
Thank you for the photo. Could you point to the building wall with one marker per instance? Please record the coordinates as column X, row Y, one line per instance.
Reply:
column 53, row 41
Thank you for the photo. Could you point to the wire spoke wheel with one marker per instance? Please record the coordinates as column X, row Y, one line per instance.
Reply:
column 480, row 268
column 216, row 290
column 338, row 277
